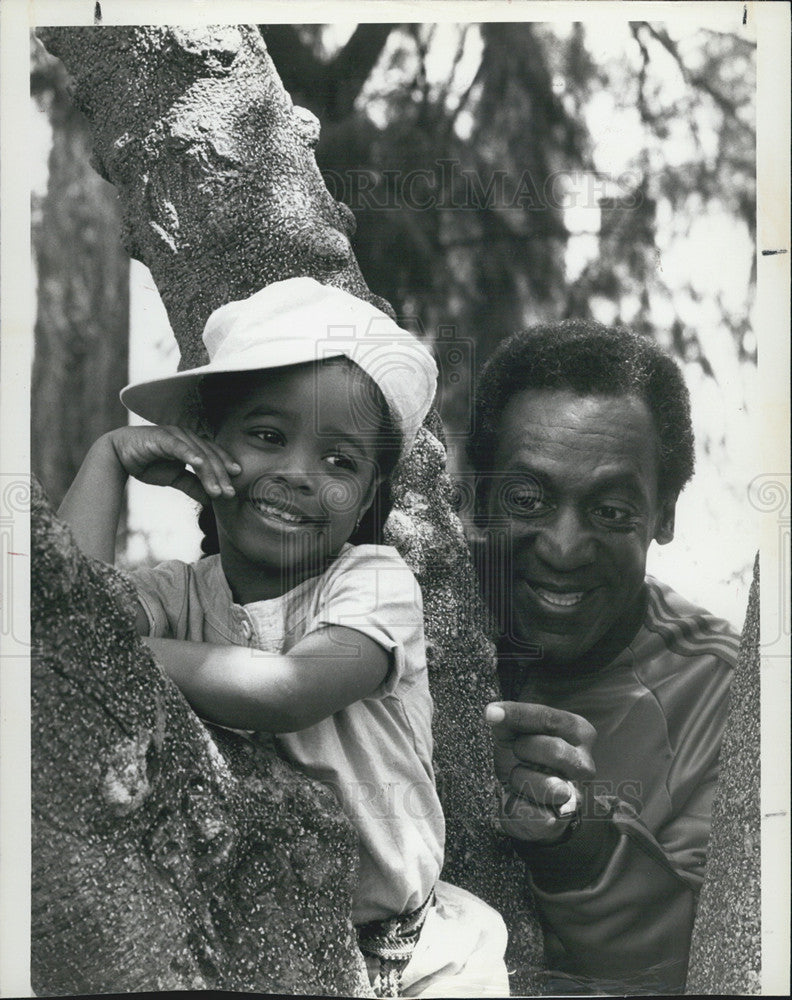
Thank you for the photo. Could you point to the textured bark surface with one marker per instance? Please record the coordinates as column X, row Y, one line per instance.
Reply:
column 221, row 195
column 82, row 325
column 726, row 954
column 165, row 859
column 213, row 164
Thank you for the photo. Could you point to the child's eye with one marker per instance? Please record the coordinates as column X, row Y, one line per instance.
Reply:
column 269, row 436
column 342, row 461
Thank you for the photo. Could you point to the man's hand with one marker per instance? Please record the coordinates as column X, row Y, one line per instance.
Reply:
column 541, row 754
column 159, row 455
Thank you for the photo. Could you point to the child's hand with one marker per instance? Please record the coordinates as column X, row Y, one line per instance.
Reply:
column 158, row 455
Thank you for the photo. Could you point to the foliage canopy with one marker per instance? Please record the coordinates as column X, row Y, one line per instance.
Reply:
column 512, row 172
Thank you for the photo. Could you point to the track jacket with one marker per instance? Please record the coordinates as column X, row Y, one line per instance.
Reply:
column 618, row 898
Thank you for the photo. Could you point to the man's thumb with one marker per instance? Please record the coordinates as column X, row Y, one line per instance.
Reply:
column 494, row 714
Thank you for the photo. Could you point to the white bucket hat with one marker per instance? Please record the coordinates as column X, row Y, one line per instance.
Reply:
column 291, row 322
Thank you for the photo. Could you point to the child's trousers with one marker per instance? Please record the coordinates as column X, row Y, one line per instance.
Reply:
column 460, row 949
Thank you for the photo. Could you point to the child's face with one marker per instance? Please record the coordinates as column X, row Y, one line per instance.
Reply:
column 307, row 448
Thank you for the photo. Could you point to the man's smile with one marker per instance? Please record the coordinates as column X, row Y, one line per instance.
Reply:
column 557, row 598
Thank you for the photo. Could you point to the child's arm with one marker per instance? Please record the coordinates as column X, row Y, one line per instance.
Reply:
column 246, row 688
column 156, row 455
column 92, row 506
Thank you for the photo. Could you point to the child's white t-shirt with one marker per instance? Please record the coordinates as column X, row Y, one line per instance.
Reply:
column 376, row 754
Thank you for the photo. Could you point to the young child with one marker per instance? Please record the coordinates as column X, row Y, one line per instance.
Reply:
column 298, row 622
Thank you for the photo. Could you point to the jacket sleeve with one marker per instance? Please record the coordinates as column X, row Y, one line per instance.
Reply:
column 618, row 902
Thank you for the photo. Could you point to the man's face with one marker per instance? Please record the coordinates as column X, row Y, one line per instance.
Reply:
column 576, row 493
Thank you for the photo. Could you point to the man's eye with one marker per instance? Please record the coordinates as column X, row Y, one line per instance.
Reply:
column 614, row 516
column 269, row 436
column 525, row 502
column 341, row 461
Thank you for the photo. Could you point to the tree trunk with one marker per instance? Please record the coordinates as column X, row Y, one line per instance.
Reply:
column 726, row 951
column 82, row 326
column 164, row 859
column 213, row 164
column 221, row 195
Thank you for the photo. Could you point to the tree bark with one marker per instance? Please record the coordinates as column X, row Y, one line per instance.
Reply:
column 221, row 195
column 213, row 164
column 164, row 859
column 82, row 325
column 726, row 948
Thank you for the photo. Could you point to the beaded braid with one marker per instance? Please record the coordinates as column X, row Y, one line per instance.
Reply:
column 210, row 543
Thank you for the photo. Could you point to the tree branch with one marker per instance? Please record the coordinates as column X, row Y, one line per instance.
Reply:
column 728, row 107
column 642, row 109
column 328, row 88
column 351, row 68
column 298, row 67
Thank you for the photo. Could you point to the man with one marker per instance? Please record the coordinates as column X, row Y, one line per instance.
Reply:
column 617, row 688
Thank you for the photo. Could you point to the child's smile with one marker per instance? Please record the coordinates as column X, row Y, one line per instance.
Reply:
column 308, row 451
column 285, row 516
